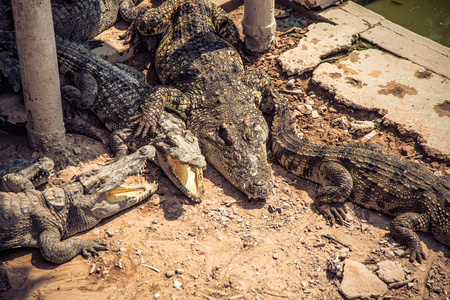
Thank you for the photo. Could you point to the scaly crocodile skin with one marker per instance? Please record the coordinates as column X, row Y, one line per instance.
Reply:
column 419, row 200
column 31, row 218
column 196, row 59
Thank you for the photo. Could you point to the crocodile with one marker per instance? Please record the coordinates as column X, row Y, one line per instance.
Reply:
column 204, row 81
column 80, row 20
column 416, row 198
column 25, row 173
column 73, row 20
column 47, row 219
column 119, row 96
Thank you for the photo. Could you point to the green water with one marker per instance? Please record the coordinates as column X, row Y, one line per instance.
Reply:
column 430, row 18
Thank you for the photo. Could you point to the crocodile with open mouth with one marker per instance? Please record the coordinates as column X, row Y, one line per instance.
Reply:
column 206, row 84
column 45, row 220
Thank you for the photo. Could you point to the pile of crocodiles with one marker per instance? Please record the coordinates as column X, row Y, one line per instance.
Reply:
column 204, row 81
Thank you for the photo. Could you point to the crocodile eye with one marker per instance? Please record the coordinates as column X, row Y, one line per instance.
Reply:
column 226, row 134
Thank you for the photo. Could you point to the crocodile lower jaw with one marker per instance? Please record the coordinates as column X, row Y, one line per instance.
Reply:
column 187, row 178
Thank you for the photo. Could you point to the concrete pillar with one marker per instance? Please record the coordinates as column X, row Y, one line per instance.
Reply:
column 259, row 24
column 39, row 70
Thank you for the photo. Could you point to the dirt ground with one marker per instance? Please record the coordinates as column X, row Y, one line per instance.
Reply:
column 228, row 247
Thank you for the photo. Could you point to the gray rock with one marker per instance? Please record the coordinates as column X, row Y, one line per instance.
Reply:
column 359, row 282
column 390, row 271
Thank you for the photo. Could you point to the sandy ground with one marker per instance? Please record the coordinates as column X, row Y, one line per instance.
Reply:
column 228, row 247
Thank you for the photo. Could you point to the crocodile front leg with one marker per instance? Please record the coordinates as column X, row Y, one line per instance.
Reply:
column 337, row 184
column 152, row 107
column 58, row 252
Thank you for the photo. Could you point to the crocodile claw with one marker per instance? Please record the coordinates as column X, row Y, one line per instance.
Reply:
column 147, row 120
column 93, row 247
column 335, row 213
column 416, row 253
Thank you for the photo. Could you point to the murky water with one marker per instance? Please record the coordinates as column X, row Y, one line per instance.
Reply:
column 430, row 18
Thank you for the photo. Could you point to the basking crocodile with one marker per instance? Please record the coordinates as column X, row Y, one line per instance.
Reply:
column 205, row 83
column 31, row 218
column 73, row 20
column 25, row 173
column 416, row 198
column 80, row 20
column 121, row 99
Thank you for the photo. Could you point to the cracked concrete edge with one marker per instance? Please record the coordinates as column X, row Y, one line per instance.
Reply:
column 391, row 37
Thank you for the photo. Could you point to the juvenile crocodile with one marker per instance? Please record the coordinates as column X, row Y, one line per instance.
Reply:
column 31, row 218
column 206, row 84
column 416, row 198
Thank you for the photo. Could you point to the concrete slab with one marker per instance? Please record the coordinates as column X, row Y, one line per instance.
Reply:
column 316, row 3
column 321, row 40
column 413, row 47
column 392, row 37
column 409, row 95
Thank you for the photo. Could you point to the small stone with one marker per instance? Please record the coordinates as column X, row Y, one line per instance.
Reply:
column 105, row 272
column 291, row 83
column 169, row 274
column 93, row 268
column 407, row 150
column 390, row 271
column 315, row 114
column 305, row 109
column 177, row 284
column 109, row 232
column 304, row 284
column 410, row 285
column 179, row 271
column 368, row 136
column 271, row 208
column 389, row 254
column 358, row 281
column 399, row 252
column 77, row 150
column 322, row 109
column 58, row 181
column 275, row 255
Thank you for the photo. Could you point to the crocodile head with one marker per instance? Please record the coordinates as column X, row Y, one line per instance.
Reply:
column 179, row 156
column 110, row 189
column 233, row 140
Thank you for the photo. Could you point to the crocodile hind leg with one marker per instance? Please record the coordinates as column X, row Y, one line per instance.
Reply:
column 403, row 229
column 58, row 252
column 84, row 94
column 337, row 185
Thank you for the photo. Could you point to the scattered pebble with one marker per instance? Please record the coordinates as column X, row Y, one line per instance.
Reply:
column 275, row 255
column 177, row 284
column 170, row 274
column 179, row 271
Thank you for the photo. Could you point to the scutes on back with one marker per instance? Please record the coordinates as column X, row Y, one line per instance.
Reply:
column 197, row 57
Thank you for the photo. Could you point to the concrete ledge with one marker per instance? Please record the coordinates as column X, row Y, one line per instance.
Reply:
column 392, row 37
column 411, row 97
